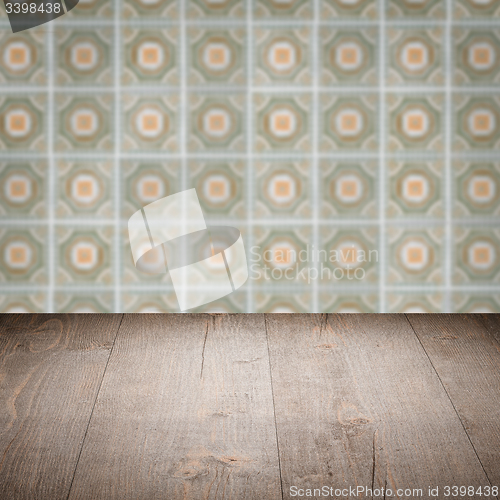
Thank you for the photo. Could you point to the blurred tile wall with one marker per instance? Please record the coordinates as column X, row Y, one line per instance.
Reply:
column 324, row 125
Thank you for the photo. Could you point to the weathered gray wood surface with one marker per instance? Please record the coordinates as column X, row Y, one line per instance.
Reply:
column 185, row 411
column 358, row 403
column 51, row 367
column 245, row 406
column 467, row 359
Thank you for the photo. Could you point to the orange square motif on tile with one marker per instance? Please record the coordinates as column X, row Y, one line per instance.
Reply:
column 84, row 122
column 481, row 189
column 216, row 55
column 481, row 123
column 216, row 123
column 84, row 256
column 416, row 55
column 150, row 123
column 18, row 55
column 151, row 55
column 416, row 188
column 415, row 255
column 84, row 188
column 83, row 55
column 348, row 188
column 415, row 123
column 348, row 55
column 217, row 189
column 282, row 255
column 348, row 122
column 18, row 123
column 282, row 123
column 481, row 255
column 481, row 56
column 282, row 188
column 18, row 188
column 150, row 189
column 18, row 255
column 283, row 55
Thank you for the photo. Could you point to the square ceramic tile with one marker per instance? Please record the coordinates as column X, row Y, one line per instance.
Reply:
column 283, row 189
column 22, row 122
column 476, row 122
column 150, row 56
column 84, row 122
column 84, row 56
column 349, row 189
column 282, row 56
column 348, row 122
column 349, row 56
column 476, row 189
column 415, row 189
column 220, row 186
column 84, row 189
column 150, row 122
column 415, row 122
column 415, row 55
column 23, row 186
column 415, row 255
column 84, row 255
column 22, row 58
column 477, row 256
column 216, row 122
column 477, row 56
column 22, row 255
column 216, row 56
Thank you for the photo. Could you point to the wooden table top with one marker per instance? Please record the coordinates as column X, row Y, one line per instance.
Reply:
column 247, row 406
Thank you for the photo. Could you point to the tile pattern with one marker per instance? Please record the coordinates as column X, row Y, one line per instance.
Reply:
column 327, row 131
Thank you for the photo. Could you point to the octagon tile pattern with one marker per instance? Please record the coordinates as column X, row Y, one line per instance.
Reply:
column 354, row 143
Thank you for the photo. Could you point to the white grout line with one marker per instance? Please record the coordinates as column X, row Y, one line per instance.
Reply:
column 473, row 155
column 250, row 172
column 277, row 287
column 409, row 222
column 51, row 181
column 315, row 177
column 492, row 155
column 152, row 22
column 183, row 127
column 448, row 177
column 117, row 261
column 239, row 89
column 382, row 159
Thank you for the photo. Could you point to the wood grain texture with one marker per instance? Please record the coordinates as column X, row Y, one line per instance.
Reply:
column 50, row 370
column 467, row 359
column 357, row 402
column 185, row 412
column 492, row 324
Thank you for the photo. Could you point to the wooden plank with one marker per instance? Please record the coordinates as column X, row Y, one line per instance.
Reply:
column 358, row 403
column 467, row 360
column 492, row 324
column 50, row 370
column 185, row 411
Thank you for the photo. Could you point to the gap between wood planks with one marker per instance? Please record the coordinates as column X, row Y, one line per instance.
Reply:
column 93, row 406
column 449, row 397
column 274, row 406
